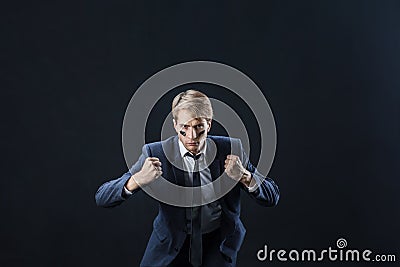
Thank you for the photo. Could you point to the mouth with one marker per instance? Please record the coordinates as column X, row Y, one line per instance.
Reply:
column 193, row 144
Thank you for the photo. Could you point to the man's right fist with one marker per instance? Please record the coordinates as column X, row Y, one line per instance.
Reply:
column 150, row 171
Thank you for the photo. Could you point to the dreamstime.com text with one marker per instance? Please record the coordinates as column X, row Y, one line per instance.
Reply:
column 332, row 254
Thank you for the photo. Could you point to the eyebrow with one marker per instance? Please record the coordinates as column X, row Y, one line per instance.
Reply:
column 201, row 123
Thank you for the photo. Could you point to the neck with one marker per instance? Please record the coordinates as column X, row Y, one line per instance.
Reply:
column 201, row 146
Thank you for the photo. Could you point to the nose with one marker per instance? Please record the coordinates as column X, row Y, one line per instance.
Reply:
column 191, row 134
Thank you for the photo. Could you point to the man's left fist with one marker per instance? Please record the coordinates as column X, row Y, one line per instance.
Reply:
column 234, row 168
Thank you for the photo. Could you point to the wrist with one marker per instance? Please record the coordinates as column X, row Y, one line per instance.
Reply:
column 246, row 178
column 132, row 184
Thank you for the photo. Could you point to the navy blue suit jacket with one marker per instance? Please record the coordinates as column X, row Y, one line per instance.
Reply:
column 169, row 233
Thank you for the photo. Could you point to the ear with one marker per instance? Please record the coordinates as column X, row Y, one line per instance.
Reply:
column 209, row 125
column 175, row 125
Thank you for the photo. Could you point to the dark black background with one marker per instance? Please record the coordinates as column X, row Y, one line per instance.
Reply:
column 329, row 69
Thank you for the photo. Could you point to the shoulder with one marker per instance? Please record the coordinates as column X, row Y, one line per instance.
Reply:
column 226, row 145
column 224, row 140
column 160, row 147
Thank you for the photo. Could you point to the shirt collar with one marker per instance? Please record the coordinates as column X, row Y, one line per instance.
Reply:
column 183, row 150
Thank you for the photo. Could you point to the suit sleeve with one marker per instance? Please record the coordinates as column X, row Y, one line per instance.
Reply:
column 111, row 193
column 267, row 192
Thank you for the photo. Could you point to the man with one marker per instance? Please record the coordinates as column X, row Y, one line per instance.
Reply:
column 207, row 234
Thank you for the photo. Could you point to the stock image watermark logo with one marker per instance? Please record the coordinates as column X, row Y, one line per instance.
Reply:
column 339, row 253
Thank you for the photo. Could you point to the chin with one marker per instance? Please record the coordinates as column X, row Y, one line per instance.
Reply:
column 193, row 149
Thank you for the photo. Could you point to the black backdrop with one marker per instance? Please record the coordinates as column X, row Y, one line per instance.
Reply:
column 330, row 71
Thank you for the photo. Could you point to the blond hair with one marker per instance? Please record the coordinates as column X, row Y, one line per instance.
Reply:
column 194, row 101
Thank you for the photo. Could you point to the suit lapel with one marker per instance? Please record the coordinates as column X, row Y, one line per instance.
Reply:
column 177, row 168
column 212, row 159
column 215, row 169
column 177, row 163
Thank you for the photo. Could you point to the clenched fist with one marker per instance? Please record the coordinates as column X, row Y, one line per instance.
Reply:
column 150, row 171
column 235, row 170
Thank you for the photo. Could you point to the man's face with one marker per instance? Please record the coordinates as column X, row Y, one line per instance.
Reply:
column 195, row 130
